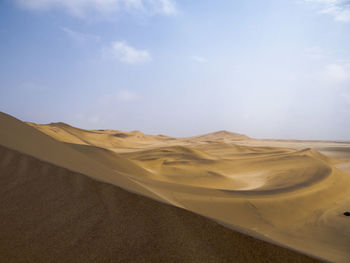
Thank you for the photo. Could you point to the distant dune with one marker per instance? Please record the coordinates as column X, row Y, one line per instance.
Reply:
column 86, row 195
column 220, row 135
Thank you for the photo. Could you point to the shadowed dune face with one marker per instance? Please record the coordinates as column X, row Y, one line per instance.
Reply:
column 50, row 214
column 284, row 192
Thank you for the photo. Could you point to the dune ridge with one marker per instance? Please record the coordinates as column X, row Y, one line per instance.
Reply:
column 286, row 193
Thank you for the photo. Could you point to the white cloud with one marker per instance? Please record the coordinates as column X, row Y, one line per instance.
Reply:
column 167, row 7
column 338, row 9
column 332, row 71
column 105, row 8
column 337, row 72
column 121, row 51
column 79, row 37
column 199, row 59
column 335, row 75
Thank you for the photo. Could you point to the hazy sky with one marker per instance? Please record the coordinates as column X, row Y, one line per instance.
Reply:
column 265, row 68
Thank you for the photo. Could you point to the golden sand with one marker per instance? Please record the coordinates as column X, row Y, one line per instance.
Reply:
column 289, row 193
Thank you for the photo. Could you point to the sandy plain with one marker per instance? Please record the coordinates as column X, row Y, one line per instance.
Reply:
column 115, row 196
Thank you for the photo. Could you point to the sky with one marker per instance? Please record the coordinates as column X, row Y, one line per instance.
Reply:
column 265, row 68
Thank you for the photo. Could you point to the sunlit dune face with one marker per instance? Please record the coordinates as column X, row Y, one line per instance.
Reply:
column 233, row 168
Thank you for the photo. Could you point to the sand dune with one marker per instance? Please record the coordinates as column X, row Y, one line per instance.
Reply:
column 51, row 214
column 219, row 136
column 289, row 193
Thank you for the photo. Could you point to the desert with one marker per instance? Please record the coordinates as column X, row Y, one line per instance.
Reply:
column 62, row 188
column 174, row 131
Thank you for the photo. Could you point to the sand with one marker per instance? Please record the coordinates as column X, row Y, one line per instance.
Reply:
column 128, row 196
column 51, row 214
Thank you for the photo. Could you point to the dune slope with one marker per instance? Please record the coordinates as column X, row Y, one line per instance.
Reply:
column 26, row 139
column 51, row 214
column 293, row 197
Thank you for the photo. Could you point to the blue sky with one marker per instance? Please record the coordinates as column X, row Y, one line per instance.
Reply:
column 269, row 69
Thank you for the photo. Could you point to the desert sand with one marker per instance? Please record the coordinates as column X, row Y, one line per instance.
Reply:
column 69, row 194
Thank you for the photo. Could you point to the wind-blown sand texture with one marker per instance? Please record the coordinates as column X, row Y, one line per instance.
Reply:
column 69, row 194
